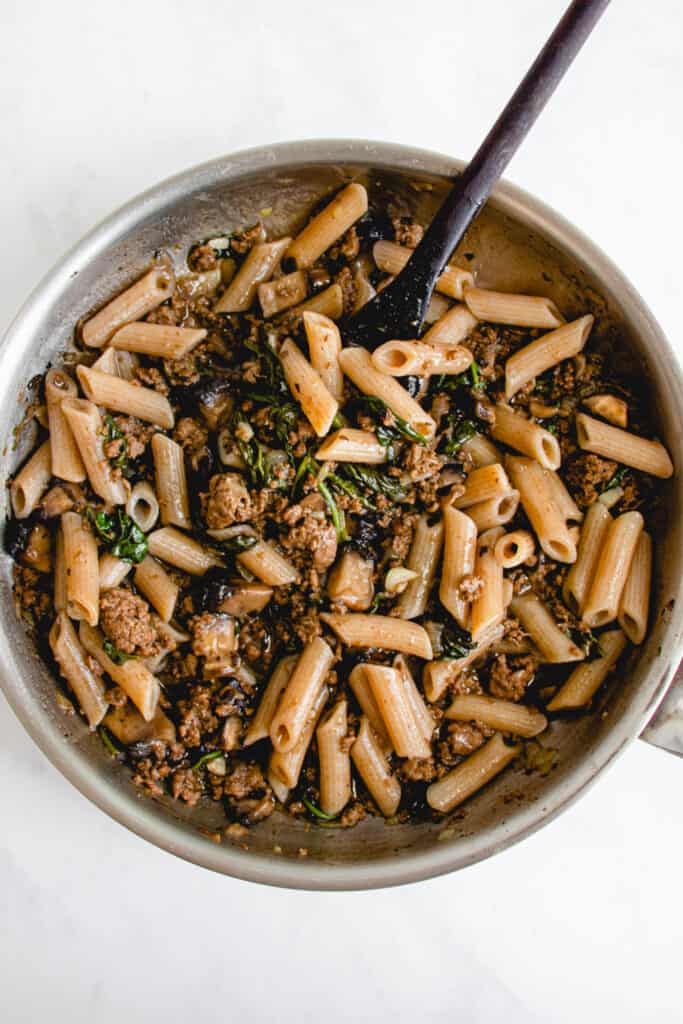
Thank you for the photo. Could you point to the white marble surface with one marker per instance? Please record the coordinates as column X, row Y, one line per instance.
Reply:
column 96, row 102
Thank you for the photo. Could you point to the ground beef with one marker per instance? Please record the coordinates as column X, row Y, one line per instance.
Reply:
column 151, row 377
column 202, row 258
column 407, row 231
column 227, row 502
column 136, row 437
column 126, row 620
column 247, row 793
column 418, row 769
column 470, row 587
column 30, row 592
column 586, row 475
column 422, row 463
column 242, row 241
column 312, row 537
column 354, row 813
column 461, row 739
column 347, row 248
column 186, row 785
column 182, row 371
column 193, row 437
column 348, row 286
column 510, row 676
column 197, row 719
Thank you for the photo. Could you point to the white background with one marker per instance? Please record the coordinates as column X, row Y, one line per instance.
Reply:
column 98, row 101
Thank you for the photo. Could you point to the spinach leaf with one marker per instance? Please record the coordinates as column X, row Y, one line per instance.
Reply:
column 459, row 431
column 240, row 542
column 123, row 538
column 456, row 642
column 373, row 481
column 376, row 409
column 316, row 812
column 252, row 451
column 337, row 514
column 117, row 656
column 205, row 758
column 114, row 434
column 616, row 480
column 108, row 742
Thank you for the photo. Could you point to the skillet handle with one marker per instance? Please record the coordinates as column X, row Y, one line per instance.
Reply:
column 665, row 729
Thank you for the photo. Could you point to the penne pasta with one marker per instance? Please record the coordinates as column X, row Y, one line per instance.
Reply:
column 141, row 298
column 383, row 631
column 583, row 683
column 423, row 558
column 172, row 546
column 579, row 579
column 456, row 324
column 635, row 599
column 318, row 405
column 488, row 607
column 351, row 445
column 373, row 768
column 514, row 548
column 514, row 309
column 612, row 569
column 300, row 695
column 71, row 659
column 329, row 303
column 258, row 267
column 481, row 451
column 527, row 437
column 328, row 226
column 142, row 505
column 531, row 361
column 160, row 340
column 171, row 482
column 259, row 727
column 421, row 712
column 152, row 580
column 123, row 396
column 86, row 426
column 360, row 686
column 471, row 774
column 358, row 366
column 396, row 709
column 561, row 498
column 133, row 676
column 392, row 258
column 67, row 463
column 81, row 567
column 549, row 525
column 334, row 761
column 31, row 482
column 285, row 766
column 282, row 293
column 494, row 512
column 612, row 443
column 503, row 715
column 59, row 583
column 554, row 646
column 403, row 358
column 112, row 571
column 324, row 346
column 483, row 484
column 610, row 408
column 128, row 725
column 459, row 556
column 268, row 565
column 351, row 582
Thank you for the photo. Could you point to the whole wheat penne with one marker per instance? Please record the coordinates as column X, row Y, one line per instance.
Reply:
column 259, row 727
column 612, row 569
column 86, row 426
column 329, row 302
column 403, row 358
column 612, row 443
column 514, row 309
column 280, row 790
column 351, row 581
column 59, row 581
column 561, row 497
column 82, row 569
column 258, row 267
column 579, row 579
column 471, row 774
column 300, row 694
column 549, row 525
column 392, row 258
column 282, row 293
column 610, row 408
column 374, row 770
column 67, row 463
column 635, row 598
column 437, row 675
column 31, row 482
column 584, row 682
column 488, row 608
column 123, row 396
column 142, row 505
column 423, row 558
column 172, row 546
column 153, row 581
column 171, row 482
column 527, row 437
column 141, row 298
column 324, row 346
column 483, row 484
column 459, row 556
column 481, row 451
column 494, row 512
column 421, row 713
column 133, row 676
column 70, row 656
column 107, row 362
column 128, row 725
column 351, row 445
column 514, row 548
column 503, row 715
column 112, row 571
column 389, row 634
column 330, row 224
column 162, row 340
column 318, row 405
column 286, row 765
column 360, row 685
column 268, row 565
column 396, row 710
column 358, row 366
column 553, row 645
column 453, row 327
column 334, row 761
column 537, row 357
